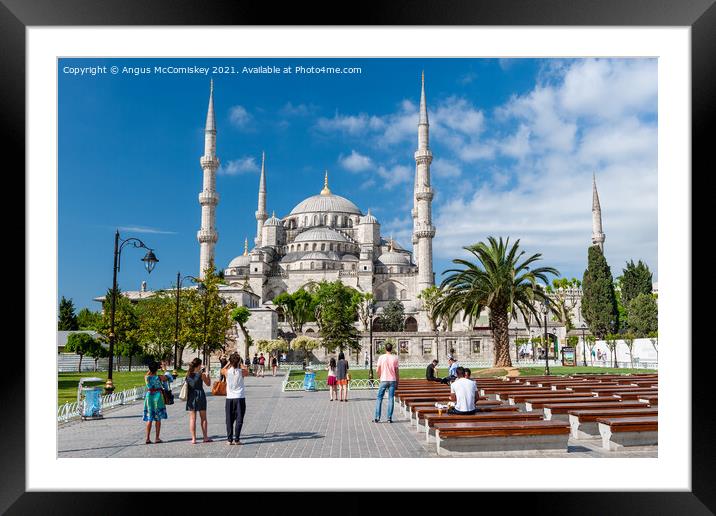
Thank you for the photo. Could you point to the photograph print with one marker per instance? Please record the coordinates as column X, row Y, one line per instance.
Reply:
column 357, row 258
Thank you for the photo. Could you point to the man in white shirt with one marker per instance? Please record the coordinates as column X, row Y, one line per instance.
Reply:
column 464, row 393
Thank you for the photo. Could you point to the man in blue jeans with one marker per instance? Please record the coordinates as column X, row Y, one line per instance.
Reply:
column 389, row 375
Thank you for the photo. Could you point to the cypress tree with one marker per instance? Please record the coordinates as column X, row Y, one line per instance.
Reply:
column 636, row 280
column 67, row 320
column 599, row 302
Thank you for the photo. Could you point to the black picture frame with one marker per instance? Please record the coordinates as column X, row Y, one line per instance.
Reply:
column 700, row 15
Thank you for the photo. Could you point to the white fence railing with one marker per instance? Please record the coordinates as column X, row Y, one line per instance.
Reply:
column 72, row 410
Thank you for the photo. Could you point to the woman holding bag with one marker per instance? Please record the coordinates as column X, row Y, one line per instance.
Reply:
column 196, row 398
column 235, row 406
column 154, row 408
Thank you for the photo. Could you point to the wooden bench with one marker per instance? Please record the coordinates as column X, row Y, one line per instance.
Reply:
column 651, row 400
column 531, row 404
column 628, row 431
column 500, row 436
column 584, row 422
column 430, row 405
column 431, row 420
column 421, row 412
column 520, row 399
column 560, row 411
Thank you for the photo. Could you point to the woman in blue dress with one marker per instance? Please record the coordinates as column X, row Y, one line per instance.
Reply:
column 196, row 398
column 154, row 408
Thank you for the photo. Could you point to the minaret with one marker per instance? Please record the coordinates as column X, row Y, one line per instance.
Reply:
column 423, row 229
column 261, row 214
column 208, row 198
column 597, row 235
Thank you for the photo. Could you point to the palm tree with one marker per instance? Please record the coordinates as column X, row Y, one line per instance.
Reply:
column 499, row 282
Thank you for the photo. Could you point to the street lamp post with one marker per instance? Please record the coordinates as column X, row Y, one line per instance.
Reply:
column 545, row 309
column 517, row 351
column 203, row 291
column 584, row 346
column 180, row 279
column 150, row 260
column 371, row 312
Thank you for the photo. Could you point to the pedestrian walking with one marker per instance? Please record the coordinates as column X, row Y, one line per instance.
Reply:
column 389, row 375
column 274, row 364
column 366, row 360
column 342, row 377
column 235, row 404
column 262, row 363
column 154, row 408
column 331, row 378
column 255, row 364
column 196, row 378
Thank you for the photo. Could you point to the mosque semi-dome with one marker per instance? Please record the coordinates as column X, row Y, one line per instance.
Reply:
column 320, row 234
column 393, row 258
column 240, row 261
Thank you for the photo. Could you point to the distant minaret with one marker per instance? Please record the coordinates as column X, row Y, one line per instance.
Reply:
column 423, row 229
column 597, row 235
column 208, row 198
column 261, row 214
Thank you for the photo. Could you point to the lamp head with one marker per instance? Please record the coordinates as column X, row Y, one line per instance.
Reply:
column 150, row 260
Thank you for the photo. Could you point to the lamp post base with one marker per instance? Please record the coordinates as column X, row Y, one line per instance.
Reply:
column 109, row 386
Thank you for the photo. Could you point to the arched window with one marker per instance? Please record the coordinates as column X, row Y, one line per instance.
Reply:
column 323, row 247
column 377, row 324
column 314, row 247
column 311, row 265
column 305, row 247
column 403, row 294
column 310, row 330
column 411, row 324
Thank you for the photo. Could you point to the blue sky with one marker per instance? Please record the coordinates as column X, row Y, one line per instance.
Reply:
column 515, row 144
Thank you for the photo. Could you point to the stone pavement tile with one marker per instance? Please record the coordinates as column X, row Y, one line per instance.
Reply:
column 276, row 424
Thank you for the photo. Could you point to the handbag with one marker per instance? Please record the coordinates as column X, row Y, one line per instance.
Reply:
column 168, row 396
column 184, row 392
column 348, row 377
column 219, row 388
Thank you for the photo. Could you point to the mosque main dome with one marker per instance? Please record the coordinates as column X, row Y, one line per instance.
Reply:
column 326, row 203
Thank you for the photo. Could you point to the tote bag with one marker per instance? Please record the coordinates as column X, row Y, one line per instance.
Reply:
column 184, row 392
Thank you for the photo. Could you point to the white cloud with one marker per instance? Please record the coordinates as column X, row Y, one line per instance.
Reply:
column 559, row 135
column 290, row 109
column 355, row 162
column 395, row 175
column 445, row 168
column 146, row 229
column 234, row 167
column 240, row 117
column 354, row 125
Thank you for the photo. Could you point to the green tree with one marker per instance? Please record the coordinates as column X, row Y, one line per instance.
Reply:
column 629, row 341
column 563, row 303
column 599, row 303
column 81, row 344
column 305, row 345
column 157, row 325
column 128, row 348
column 654, row 339
column 208, row 317
column 643, row 314
column 97, row 351
column 126, row 322
column 298, row 308
column 636, row 279
column 337, row 310
column 572, row 341
column 67, row 319
column 430, row 298
column 393, row 316
column 240, row 315
column 89, row 320
column 611, row 341
column 272, row 346
column 498, row 281
column 591, row 341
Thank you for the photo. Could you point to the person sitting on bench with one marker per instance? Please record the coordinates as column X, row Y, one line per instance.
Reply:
column 452, row 367
column 463, row 392
column 430, row 372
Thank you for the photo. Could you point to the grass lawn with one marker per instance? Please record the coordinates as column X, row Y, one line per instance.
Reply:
column 297, row 374
column 123, row 380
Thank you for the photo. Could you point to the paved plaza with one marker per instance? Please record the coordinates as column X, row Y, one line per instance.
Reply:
column 277, row 424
